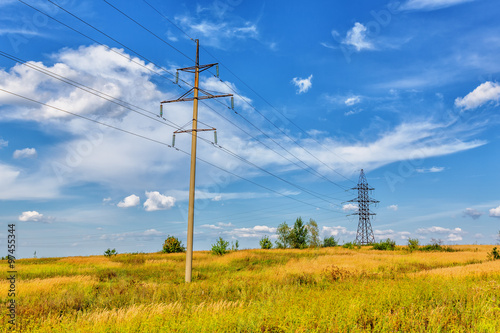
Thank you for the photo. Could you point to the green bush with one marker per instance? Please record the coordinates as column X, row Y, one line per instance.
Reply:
column 386, row 245
column 413, row 244
column 109, row 252
column 220, row 247
column 173, row 245
column 235, row 246
column 351, row 246
column 494, row 254
column 330, row 242
column 436, row 245
column 265, row 243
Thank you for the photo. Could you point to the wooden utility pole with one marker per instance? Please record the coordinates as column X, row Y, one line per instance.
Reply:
column 197, row 69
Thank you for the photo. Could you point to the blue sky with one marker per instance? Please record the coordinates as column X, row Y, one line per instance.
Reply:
column 408, row 91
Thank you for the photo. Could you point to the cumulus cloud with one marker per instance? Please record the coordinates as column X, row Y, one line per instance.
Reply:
column 130, row 201
column 484, row 93
column 473, row 213
column 452, row 235
column 34, row 216
column 3, row 143
column 433, row 169
column 303, row 85
column 393, row 207
column 495, row 212
column 157, row 201
column 350, row 207
column 357, row 37
column 428, row 5
column 256, row 232
column 384, row 234
column 336, row 231
column 25, row 153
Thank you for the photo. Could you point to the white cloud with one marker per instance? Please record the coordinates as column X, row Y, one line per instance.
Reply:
column 430, row 4
column 3, row 143
column 210, row 226
column 146, row 235
column 303, row 85
column 484, row 93
column 452, row 235
column 357, row 37
column 350, row 207
column 218, row 34
column 222, row 224
column 130, row 201
column 157, row 201
column 34, row 216
column 434, row 169
column 25, row 153
column 256, row 232
column 437, row 230
column 475, row 214
column 495, row 212
column 352, row 100
column 393, row 207
column 395, row 235
column 217, row 198
column 336, row 231
column 106, row 200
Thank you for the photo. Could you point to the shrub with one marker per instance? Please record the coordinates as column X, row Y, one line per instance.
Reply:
column 265, row 243
column 109, row 252
column 235, row 246
column 494, row 254
column 351, row 246
column 387, row 245
column 173, row 245
column 330, row 242
column 220, row 247
column 436, row 245
column 413, row 244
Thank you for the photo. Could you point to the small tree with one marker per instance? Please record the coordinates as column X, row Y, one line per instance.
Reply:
column 413, row 244
column 312, row 229
column 387, row 245
column 265, row 243
column 494, row 254
column 284, row 236
column 109, row 252
column 330, row 242
column 173, row 245
column 299, row 234
column 220, row 247
column 235, row 246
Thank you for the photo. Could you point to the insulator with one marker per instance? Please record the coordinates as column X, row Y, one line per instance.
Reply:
column 176, row 77
column 232, row 103
column 215, row 137
column 161, row 110
column 173, row 140
column 217, row 69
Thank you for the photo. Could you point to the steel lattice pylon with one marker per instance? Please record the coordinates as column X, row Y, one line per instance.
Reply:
column 364, row 234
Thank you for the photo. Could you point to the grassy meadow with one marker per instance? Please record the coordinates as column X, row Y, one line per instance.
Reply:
column 310, row 290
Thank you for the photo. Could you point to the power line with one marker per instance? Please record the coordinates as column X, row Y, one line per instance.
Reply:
column 162, row 143
column 265, row 117
column 97, row 93
column 140, row 55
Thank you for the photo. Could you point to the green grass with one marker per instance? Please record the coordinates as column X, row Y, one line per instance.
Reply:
column 311, row 290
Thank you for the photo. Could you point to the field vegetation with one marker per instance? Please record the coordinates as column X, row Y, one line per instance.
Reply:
column 329, row 289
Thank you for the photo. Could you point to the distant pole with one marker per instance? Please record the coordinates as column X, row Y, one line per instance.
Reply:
column 194, row 136
column 364, row 235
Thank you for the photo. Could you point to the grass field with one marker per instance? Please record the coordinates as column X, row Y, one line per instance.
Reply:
column 311, row 290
